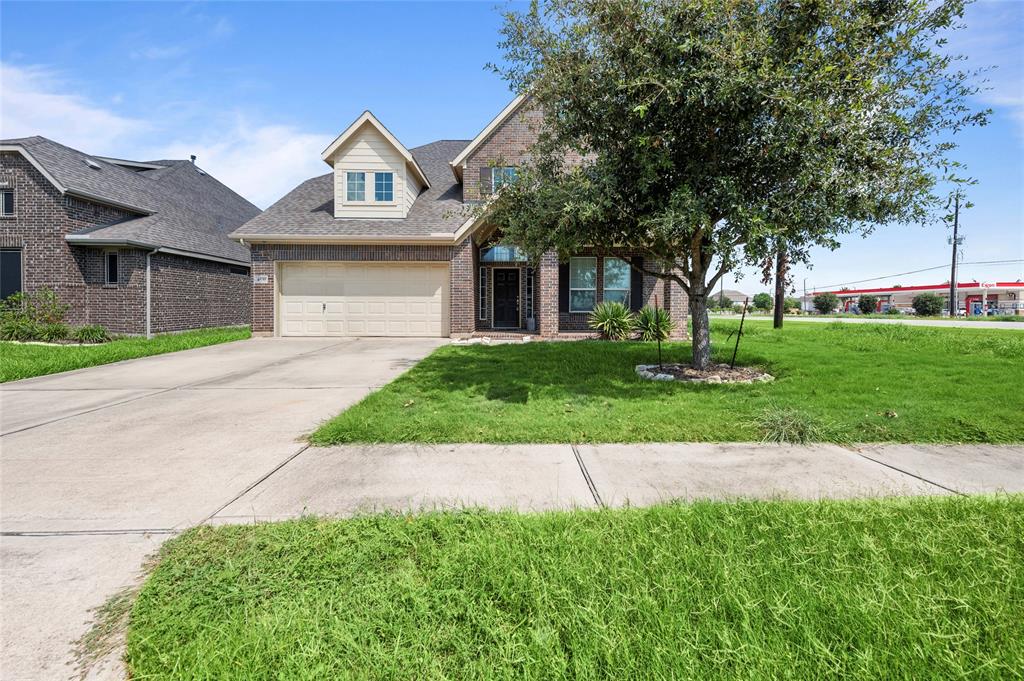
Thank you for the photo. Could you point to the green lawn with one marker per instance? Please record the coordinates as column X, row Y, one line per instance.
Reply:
column 847, row 382
column 19, row 360
column 920, row 588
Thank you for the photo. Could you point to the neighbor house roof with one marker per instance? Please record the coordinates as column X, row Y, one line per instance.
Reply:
column 180, row 207
column 307, row 212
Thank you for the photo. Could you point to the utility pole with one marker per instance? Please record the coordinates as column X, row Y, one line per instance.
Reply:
column 803, row 301
column 953, row 306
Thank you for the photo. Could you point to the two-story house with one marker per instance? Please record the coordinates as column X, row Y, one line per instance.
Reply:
column 383, row 245
column 139, row 247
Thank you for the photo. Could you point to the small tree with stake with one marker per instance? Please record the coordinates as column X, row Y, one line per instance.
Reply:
column 704, row 133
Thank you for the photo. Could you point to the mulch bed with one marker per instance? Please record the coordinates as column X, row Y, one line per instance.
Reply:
column 716, row 373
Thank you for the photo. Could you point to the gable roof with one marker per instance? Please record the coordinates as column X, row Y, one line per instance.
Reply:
column 510, row 109
column 307, row 212
column 368, row 117
column 179, row 206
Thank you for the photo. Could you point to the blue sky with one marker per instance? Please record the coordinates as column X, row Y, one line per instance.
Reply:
column 257, row 90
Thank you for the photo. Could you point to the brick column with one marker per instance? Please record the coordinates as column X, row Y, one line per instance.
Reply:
column 262, row 293
column 677, row 304
column 547, row 295
column 462, row 301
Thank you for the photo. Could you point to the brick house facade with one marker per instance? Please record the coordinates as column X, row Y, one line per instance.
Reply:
column 185, row 291
column 487, row 291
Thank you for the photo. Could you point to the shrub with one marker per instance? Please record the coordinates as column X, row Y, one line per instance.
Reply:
column 763, row 301
column 867, row 304
column 784, row 424
column 53, row 332
column 18, row 328
column 719, row 303
column 825, row 303
column 791, row 304
column 927, row 304
column 612, row 319
column 92, row 333
column 653, row 324
column 892, row 310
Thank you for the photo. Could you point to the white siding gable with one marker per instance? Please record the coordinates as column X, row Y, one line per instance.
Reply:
column 368, row 151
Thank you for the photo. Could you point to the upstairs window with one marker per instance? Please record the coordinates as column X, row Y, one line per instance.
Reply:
column 355, row 189
column 501, row 176
column 384, row 187
column 112, row 269
column 617, row 277
column 6, row 202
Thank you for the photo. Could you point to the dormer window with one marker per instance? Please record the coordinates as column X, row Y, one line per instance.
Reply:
column 501, row 176
column 384, row 187
column 356, row 186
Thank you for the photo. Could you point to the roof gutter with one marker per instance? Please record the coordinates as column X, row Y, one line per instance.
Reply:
column 436, row 238
column 83, row 240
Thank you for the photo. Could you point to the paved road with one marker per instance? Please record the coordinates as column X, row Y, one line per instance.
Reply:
column 99, row 466
column 909, row 321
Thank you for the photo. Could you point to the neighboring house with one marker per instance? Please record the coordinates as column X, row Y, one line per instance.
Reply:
column 383, row 245
column 139, row 247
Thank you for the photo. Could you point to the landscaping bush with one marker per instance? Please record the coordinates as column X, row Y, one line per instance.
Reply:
column 612, row 319
column 893, row 310
column 92, row 333
column 867, row 304
column 653, row 324
column 927, row 305
column 53, row 332
column 17, row 328
column 826, row 303
column 720, row 303
column 791, row 304
column 763, row 302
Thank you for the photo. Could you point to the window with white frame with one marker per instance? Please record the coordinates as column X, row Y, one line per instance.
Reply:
column 501, row 176
column 582, row 284
column 112, row 271
column 529, row 293
column 355, row 189
column 482, row 292
column 6, row 202
column 617, row 278
column 384, row 187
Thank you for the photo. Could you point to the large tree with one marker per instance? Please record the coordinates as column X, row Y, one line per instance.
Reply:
column 703, row 133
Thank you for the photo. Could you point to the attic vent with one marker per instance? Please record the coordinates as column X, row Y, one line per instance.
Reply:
column 92, row 164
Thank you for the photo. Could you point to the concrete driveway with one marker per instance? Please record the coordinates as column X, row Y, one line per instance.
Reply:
column 99, row 466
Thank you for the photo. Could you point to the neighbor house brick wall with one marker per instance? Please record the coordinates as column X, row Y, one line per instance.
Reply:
column 265, row 257
column 187, row 293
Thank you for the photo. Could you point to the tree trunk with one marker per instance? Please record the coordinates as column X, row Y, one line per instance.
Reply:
column 781, row 267
column 701, row 341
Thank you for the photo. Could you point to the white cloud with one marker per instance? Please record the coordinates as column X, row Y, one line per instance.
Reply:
column 260, row 160
column 36, row 101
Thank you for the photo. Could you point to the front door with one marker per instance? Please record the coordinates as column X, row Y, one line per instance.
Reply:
column 506, row 298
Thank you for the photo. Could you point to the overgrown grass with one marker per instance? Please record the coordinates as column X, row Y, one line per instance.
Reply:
column 921, row 588
column 19, row 361
column 849, row 383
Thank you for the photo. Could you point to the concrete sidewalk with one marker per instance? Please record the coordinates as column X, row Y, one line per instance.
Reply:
column 341, row 481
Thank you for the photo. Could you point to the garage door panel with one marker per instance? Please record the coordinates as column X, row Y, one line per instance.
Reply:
column 350, row 299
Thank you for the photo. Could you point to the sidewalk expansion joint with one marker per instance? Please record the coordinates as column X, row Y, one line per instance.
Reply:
column 906, row 472
column 253, row 485
column 586, row 476
column 90, row 533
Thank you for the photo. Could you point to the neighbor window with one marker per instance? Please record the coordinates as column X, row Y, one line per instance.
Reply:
column 112, row 268
column 10, row 272
column 384, row 187
column 616, row 280
column 582, row 284
column 502, row 175
column 356, row 186
column 6, row 202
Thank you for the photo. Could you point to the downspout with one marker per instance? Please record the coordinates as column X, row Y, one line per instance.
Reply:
column 149, row 323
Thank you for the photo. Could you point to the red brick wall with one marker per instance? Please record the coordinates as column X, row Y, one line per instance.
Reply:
column 508, row 144
column 264, row 257
column 187, row 293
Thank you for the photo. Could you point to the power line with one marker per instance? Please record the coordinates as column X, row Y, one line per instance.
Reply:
column 926, row 269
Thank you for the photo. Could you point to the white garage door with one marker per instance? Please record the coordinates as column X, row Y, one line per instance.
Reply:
column 363, row 299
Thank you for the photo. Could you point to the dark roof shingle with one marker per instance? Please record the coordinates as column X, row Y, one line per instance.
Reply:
column 183, row 207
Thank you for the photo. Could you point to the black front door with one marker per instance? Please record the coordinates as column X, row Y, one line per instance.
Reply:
column 506, row 298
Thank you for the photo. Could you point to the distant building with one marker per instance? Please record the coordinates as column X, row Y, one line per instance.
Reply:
column 973, row 297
